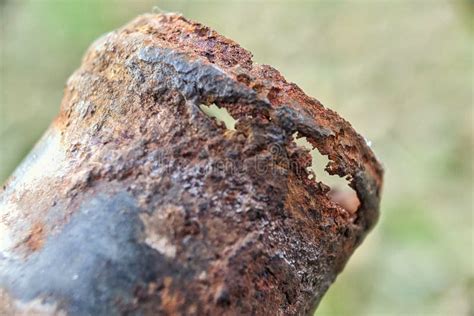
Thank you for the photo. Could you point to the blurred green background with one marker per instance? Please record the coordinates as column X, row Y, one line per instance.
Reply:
column 400, row 71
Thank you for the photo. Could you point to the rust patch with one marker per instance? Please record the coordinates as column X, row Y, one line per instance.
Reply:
column 229, row 221
column 35, row 239
column 171, row 300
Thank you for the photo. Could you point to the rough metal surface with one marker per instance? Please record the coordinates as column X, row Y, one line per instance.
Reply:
column 136, row 202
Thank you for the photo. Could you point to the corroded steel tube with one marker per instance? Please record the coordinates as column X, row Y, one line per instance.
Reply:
column 136, row 202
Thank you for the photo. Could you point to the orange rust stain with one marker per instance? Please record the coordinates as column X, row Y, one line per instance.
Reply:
column 35, row 239
column 171, row 300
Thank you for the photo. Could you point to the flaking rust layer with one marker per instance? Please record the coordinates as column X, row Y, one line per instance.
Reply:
column 136, row 202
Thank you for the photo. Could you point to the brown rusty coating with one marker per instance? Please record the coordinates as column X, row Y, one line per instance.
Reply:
column 136, row 202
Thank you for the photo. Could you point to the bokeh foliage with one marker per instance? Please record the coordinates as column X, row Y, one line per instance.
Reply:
column 400, row 71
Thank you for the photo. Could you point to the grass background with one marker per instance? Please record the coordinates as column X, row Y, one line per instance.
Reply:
column 400, row 71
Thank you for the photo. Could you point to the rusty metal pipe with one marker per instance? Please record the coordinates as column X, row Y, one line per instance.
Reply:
column 136, row 202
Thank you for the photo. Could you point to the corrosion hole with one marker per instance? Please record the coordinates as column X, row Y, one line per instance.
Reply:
column 220, row 114
column 340, row 192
